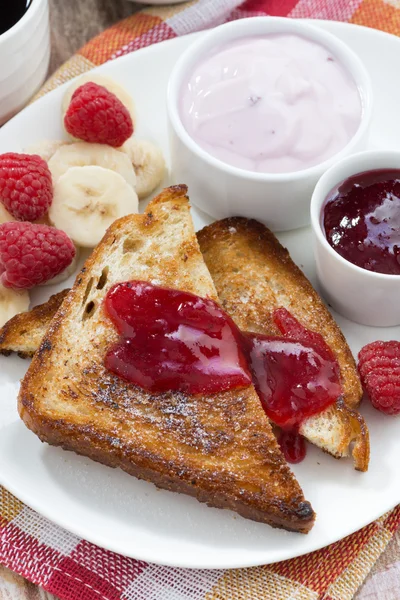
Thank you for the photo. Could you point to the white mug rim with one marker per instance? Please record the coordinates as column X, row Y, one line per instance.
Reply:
column 26, row 18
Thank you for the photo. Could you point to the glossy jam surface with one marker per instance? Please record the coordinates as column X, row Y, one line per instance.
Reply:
column 270, row 104
column 173, row 340
column 295, row 375
column 361, row 220
column 293, row 446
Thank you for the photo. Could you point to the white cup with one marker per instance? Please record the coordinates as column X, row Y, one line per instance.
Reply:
column 24, row 58
column 362, row 296
column 282, row 200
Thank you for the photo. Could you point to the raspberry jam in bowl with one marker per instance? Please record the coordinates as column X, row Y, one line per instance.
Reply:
column 355, row 217
column 361, row 219
column 258, row 110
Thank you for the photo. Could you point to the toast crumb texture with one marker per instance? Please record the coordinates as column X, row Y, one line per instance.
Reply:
column 23, row 333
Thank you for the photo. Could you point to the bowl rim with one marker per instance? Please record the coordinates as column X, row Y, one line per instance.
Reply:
column 25, row 20
column 244, row 28
column 319, row 197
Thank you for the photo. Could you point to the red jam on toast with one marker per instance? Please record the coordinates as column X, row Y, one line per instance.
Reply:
column 174, row 340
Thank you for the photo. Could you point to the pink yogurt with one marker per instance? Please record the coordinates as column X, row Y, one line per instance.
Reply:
column 271, row 104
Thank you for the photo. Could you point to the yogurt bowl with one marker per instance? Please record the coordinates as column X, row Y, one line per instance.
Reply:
column 364, row 296
column 218, row 183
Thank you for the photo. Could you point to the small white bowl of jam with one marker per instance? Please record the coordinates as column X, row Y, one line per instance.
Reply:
column 355, row 217
column 258, row 109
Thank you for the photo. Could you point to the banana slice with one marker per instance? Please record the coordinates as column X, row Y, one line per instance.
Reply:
column 70, row 270
column 111, row 85
column 83, row 154
column 148, row 163
column 87, row 200
column 46, row 148
column 5, row 216
column 12, row 302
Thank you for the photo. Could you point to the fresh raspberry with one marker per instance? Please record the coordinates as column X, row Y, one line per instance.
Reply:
column 26, row 189
column 31, row 254
column 96, row 115
column 379, row 367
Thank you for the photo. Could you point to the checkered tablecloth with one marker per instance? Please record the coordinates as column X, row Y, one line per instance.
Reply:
column 74, row 569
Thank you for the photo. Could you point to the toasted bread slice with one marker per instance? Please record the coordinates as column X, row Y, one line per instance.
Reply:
column 254, row 274
column 220, row 448
column 24, row 332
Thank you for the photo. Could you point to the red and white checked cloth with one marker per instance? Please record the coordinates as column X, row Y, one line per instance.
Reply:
column 72, row 568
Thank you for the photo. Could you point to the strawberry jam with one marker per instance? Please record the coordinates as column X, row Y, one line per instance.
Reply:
column 293, row 446
column 173, row 340
column 295, row 375
column 361, row 220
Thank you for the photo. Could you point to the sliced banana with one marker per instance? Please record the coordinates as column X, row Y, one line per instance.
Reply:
column 87, row 200
column 83, row 154
column 70, row 270
column 148, row 163
column 111, row 85
column 12, row 302
column 46, row 148
column 5, row 216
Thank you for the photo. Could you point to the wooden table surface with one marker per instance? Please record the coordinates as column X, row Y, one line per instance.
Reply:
column 73, row 23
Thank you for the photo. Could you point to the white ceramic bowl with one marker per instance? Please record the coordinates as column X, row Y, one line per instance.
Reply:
column 24, row 59
column 281, row 200
column 362, row 296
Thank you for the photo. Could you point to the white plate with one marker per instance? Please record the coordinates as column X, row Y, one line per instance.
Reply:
column 132, row 517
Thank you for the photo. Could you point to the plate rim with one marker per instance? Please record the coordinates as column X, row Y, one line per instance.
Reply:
column 149, row 557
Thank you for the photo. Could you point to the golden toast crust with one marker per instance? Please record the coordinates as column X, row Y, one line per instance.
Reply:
column 253, row 274
column 220, row 448
column 24, row 332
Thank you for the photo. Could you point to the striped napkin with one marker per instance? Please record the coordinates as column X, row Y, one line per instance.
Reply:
column 72, row 568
